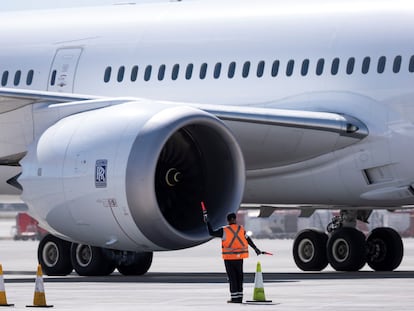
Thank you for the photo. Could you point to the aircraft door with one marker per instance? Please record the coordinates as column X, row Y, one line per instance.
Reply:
column 63, row 70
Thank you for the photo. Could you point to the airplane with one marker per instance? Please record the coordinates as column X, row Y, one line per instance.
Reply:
column 117, row 121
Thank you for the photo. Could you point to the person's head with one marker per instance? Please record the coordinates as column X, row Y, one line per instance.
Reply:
column 231, row 218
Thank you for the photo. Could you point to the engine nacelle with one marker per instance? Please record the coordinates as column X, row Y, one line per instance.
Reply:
column 131, row 176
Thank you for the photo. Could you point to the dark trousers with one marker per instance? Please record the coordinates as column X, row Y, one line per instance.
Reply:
column 234, row 269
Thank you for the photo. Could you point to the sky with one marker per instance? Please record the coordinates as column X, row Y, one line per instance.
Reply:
column 14, row 5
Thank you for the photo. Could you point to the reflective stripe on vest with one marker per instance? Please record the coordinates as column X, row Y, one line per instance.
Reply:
column 234, row 244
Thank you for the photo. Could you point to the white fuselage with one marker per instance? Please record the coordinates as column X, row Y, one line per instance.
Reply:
column 350, row 57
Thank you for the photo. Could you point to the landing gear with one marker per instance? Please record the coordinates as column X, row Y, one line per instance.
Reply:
column 133, row 263
column 385, row 249
column 346, row 249
column 58, row 257
column 90, row 260
column 54, row 256
column 309, row 250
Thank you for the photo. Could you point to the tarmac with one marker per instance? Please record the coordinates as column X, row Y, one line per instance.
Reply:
column 194, row 279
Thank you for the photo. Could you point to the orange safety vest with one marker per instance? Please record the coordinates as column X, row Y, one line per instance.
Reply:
column 234, row 244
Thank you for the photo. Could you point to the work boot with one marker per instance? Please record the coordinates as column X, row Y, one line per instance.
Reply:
column 235, row 300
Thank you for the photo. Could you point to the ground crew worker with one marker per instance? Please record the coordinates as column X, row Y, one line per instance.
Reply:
column 234, row 250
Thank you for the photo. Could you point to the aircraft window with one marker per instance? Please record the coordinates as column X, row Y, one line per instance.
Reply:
column 232, row 70
column 189, row 71
column 350, row 65
column 275, row 68
column 397, row 64
column 121, row 72
column 289, row 67
column 4, row 78
column 134, row 73
column 203, row 71
column 17, row 76
column 175, row 71
column 161, row 72
column 53, row 78
column 381, row 64
column 107, row 75
column 260, row 69
column 319, row 66
column 217, row 70
column 147, row 73
column 335, row 66
column 365, row 65
column 411, row 65
column 29, row 78
column 305, row 67
column 246, row 69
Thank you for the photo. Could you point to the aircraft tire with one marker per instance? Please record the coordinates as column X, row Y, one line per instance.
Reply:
column 346, row 249
column 141, row 262
column 309, row 250
column 54, row 256
column 385, row 249
column 90, row 260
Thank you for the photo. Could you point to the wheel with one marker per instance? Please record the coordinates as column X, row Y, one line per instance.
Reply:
column 90, row 260
column 309, row 250
column 385, row 249
column 54, row 256
column 138, row 264
column 346, row 249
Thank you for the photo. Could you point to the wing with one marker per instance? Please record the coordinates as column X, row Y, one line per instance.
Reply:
column 12, row 99
column 268, row 137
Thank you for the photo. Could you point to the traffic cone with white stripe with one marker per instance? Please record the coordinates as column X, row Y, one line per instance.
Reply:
column 258, row 292
column 3, row 299
column 39, row 299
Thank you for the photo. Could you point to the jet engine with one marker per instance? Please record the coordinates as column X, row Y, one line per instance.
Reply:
column 132, row 176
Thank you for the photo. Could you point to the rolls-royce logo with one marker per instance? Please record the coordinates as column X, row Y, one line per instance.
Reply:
column 100, row 173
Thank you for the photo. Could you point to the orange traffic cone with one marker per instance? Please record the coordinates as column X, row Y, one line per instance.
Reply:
column 39, row 299
column 3, row 299
column 258, row 292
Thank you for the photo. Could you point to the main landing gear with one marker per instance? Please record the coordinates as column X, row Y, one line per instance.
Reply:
column 59, row 257
column 346, row 249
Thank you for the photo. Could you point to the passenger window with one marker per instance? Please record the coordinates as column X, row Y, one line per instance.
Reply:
column 4, row 78
column 335, row 66
column 289, row 67
column 260, row 69
column 121, row 72
column 175, row 71
column 203, row 71
column 275, row 68
column 232, row 70
column 52, row 78
column 134, row 73
column 189, row 71
column 350, row 65
column 411, row 65
column 147, row 73
column 319, row 66
column 17, row 77
column 217, row 71
column 107, row 75
column 397, row 64
column 29, row 78
column 246, row 69
column 365, row 65
column 381, row 64
column 305, row 67
column 161, row 72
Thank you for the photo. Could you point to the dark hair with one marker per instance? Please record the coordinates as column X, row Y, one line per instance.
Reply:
column 231, row 216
